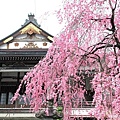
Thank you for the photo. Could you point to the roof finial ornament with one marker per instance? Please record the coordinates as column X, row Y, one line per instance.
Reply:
column 31, row 16
column 31, row 19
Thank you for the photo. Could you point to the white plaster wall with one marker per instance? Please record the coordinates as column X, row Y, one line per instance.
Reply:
column 22, row 44
column 3, row 46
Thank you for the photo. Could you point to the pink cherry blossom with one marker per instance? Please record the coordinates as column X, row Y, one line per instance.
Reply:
column 89, row 42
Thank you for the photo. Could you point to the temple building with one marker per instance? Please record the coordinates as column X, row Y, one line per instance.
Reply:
column 19, row 52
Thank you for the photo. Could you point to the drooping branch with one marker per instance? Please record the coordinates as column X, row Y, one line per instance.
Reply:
column 115, row 55
column 90, row 41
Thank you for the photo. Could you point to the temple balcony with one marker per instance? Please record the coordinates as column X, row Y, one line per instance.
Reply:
column 12, row 111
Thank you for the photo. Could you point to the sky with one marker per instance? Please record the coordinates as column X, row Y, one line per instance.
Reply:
column 13, row 14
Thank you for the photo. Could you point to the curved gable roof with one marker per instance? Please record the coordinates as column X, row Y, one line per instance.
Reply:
column 29, row 24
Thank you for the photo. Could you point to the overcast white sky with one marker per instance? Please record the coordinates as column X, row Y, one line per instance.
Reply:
column 13, row 14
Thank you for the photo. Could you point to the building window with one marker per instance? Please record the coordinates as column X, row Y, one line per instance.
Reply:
column 3, row 98
column 10, row 95
column 6, row 98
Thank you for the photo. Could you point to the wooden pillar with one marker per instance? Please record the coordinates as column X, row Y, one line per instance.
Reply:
column 18, row 79
column 7, row 45
column 7, row 96
column 0, row 80
column 0, row 83
column 17, row 84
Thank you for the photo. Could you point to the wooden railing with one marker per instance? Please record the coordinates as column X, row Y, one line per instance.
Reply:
column 81, row 104
column 13, row 106
column 22, row 110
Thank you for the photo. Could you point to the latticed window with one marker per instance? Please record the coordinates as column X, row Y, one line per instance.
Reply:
column 6, row 98
column 3, row 98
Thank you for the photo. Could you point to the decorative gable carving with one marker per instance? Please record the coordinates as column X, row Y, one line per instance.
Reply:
column 30, row 29
column 30, row 46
